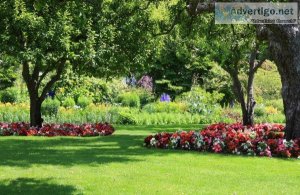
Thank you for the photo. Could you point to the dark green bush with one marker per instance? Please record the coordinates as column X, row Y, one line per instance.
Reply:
column 9, row 96
column 50, row 107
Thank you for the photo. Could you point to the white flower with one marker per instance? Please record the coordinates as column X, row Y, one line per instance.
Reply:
column 153, row 142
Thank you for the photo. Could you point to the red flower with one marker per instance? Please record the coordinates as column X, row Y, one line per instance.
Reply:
column 50, row 130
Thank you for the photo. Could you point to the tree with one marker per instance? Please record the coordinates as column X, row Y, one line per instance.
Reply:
column 177, row 66
column 284, row 44
column 7, row 72
column 46, row 37
column 238, row 52
column 234, row 48
column 178, row 62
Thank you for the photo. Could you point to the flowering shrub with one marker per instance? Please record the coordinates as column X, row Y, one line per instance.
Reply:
column 24, row 129
column 262, row 140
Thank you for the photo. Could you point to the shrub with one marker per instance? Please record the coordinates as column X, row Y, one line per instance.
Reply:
column 202, row 102
column 146, row 96
column 83, row 101
column 50, row 107
column 9, row 95
column 276, row 104
column 130, row 99
column 259, row 110
column 169, row 107
column 271, row 110
column 68, row 103
column 126, row 119
column 264, row 86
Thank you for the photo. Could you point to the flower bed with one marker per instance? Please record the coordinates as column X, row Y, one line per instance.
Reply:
column 24, row 129
column 262, row 140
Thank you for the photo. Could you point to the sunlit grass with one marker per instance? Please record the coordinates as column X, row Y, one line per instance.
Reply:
column 119, row 164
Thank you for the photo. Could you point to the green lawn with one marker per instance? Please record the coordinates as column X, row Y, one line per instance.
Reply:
column 119, row 164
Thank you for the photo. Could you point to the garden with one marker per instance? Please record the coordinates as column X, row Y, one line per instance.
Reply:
column 152, row 97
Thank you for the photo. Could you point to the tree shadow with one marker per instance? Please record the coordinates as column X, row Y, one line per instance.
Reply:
column 32, row 186
column 69, row 151
column 92, row 151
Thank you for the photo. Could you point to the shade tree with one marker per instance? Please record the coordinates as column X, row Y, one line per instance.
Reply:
column 46, row 38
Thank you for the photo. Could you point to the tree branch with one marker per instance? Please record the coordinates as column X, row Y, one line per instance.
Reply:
column 54, row 79
column 259, row 64
column 25, row 72
column 174, row 23
column 43, row 76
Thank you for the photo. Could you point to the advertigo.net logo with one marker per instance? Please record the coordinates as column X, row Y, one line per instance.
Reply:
column 256, row 13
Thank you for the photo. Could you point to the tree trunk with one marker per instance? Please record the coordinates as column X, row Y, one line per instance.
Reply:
column 249, row 116
column 35, row 112
column 238, row 90
column 285, row 49
column 33, row 82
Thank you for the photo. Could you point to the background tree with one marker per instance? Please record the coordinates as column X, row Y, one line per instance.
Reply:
column 284, row 44
column 7, row 72
column 177, row 67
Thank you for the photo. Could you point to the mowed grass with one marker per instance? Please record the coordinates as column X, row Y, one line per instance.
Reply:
column 119, row 164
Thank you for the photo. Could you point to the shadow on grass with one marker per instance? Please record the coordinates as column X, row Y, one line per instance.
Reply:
column 69, row 151
column 30, row 186
column 29, row 151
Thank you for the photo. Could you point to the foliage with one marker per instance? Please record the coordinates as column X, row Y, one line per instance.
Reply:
column 276, row 103
column 145, row 96
column 152, row 114
column 8, row 67
column 111, row 114
column 130, row 99
column 69, row 102
column 177, row 67
column 126, row 119
column 50, row 107
column 167, row 107
column 202, row 102
column 9, row 95
column 259, row 110
column 48, row 38
column 73, row 85
column 261, row 140
column 267, row 82
column 50, row 130
column 84, row 101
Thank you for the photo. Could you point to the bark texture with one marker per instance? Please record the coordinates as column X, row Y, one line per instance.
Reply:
column 285, row 49
column 38, row 91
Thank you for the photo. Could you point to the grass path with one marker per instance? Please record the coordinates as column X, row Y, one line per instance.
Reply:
column 120, row 165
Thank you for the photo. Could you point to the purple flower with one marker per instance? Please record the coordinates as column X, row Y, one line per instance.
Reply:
column 165, row 98
column 146, row 82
